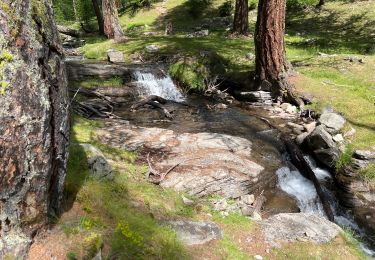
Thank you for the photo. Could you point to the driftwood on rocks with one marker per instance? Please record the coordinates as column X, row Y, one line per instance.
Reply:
column 297, row 158
column 154, row 101
column 157, row 177
column 68, row 31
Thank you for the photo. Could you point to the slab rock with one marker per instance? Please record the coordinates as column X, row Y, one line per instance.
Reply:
column 196, row 233
column 115, row 56
column 211, row 163
column 292, row 227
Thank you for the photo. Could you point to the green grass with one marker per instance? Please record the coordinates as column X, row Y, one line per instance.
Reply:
column 95, row 82
column 368, row 174
column 345, row 158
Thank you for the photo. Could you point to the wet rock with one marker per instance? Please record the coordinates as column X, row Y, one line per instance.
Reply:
column 99, row 167
column 196, row 233
column 327, row 156
column 320, row 139
column 115, row 56
column 334, row 122
column 289, row 108
column 301, row 138
column 291, row 227
column 211, row 163
column 261, row 97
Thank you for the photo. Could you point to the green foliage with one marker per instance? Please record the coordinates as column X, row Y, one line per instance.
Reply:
column 65, row 10
column 368, row 174
column 92, row 243
column 253, row 4
column 226, row 8
column 345, row 158
column 190, row 74
column 197, row 7
column 71, row 256
column 299, row 4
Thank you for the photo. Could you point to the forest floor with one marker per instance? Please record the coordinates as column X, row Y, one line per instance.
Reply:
column 333, row 51
column 123, row 215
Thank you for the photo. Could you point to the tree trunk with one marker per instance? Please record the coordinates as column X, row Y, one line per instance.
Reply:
column 241, row 17
column 271, row 63
column 34, row 127
column 321, row 3
column 99, row 16
column 112, row 27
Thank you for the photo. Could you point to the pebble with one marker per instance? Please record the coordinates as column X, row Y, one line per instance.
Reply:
column 258, row 257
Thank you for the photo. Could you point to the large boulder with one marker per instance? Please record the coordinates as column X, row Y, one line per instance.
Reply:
column 34, row 127
column 320, row 139
column 209, row 163
column 115, row 56
column 292, row 227
column 196, row 233
column 99, row 167
column 334, row 122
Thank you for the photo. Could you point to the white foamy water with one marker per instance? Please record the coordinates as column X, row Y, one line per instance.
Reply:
column 304, row 192
column 301, row 189
column 163, row 87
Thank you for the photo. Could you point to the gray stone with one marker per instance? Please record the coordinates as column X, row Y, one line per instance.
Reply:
column 364, row 155
column 310, row 127
column 296, row 126
column 196, row 233
column 290, row 227
column 99, row 167
column 350, row 133
column 250, row 56
column 221, row 205
column 258, row 257
column 248, row 199
column 212, row 163
column 115, row 56
column 301, row 138
column 151, row 48
column 187, row 201
column 98, row 256
column 327, row 156
column 338, row 138
column 332, row 121
column 320, row 139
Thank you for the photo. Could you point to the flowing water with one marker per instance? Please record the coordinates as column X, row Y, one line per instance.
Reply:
column 286, row 189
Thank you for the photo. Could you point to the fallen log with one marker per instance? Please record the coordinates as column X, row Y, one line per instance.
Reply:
column 298, row 160
column 92, row 93
column 154, row 101
column 68, row 31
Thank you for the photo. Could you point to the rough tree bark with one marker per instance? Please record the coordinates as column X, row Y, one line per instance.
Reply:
column 241, row 17
column 271, row 64
column 112, row 27
column 99, row 16
column 34, row 127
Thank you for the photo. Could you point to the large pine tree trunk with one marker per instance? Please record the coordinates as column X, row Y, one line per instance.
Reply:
column 34, row 127
column 241, row 17
column 112, row 27
column 271, row 64
column 99, row 16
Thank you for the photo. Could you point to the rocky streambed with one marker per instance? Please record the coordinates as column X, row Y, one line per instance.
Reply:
column 221, row 147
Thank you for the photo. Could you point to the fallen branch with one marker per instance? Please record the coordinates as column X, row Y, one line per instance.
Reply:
column 158, row 177
column 154, row 101
column 68, row 31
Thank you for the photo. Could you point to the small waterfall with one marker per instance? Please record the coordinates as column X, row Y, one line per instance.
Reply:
column 291, row 181
column 164, row 87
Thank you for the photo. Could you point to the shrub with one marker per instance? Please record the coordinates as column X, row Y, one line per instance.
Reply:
column 345, row 158
column 197, row 7
column 226, row 9
column 253, row 5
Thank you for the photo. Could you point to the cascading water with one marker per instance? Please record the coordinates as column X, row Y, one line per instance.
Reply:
column 164, row 87
column 291, row 181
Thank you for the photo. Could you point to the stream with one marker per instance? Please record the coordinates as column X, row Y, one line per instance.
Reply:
column 285, row 188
